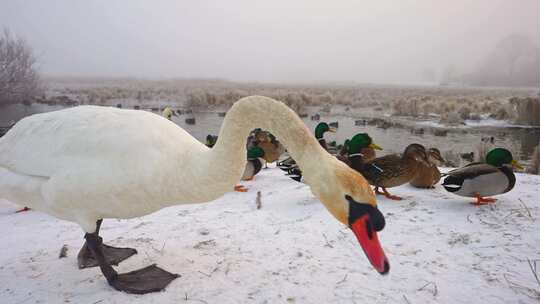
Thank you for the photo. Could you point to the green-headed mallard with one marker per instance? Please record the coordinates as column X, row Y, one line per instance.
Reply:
column 253, row 166
column 320, row 129
column 211, row 140
column 479, row 180
column 254, row 163
column 358, row 150
column 394, row 170
column 428, row 174
column 268, row 142
column 361, row 148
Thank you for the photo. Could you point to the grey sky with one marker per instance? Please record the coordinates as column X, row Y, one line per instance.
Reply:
column 268, row 41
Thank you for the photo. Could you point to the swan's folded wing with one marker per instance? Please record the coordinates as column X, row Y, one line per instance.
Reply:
column 46, row 143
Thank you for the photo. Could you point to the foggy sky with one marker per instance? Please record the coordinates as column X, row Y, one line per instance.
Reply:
column 267, row 41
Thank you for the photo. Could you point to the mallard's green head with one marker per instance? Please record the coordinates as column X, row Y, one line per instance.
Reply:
column 255, row 152
column 322, row 128
column 211, row 140
column 359, row 142
column 499, row 157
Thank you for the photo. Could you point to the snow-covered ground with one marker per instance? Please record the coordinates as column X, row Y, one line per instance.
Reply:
column 441, row 250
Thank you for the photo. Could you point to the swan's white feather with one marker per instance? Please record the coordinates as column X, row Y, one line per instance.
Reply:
column 87, row 163
column 107, row 162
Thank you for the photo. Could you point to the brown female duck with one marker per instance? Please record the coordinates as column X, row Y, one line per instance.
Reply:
column 394, row 170
column 428, row 174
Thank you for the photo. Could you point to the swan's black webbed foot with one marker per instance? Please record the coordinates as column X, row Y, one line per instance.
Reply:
column 144, row 280
column 113, row 255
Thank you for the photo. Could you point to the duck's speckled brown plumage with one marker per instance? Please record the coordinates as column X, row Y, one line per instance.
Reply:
column 428, row 174
column 394, row 170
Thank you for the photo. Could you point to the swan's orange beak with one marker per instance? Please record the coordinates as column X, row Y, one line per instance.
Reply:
column 365, row 220
column 368, row 239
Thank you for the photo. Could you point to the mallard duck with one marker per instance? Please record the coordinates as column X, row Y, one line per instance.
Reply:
column 360, row 142
column 394, row 170
column 361, row 148
column 428, row 173
column 211, row 140
column 254, row 163
column 272, row 147
column 253, row 166
column 320, row 129
column 87, row 163
column 479, row 180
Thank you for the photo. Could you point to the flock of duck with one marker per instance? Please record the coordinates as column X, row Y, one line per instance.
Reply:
column 89, row 163
column 417, row 165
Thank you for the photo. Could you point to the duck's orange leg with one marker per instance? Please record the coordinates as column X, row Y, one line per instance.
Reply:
column 390, row 196
column 23, row 210
column 483, row 200
column 240, row 188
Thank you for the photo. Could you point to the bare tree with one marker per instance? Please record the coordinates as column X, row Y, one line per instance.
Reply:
column 19, row 80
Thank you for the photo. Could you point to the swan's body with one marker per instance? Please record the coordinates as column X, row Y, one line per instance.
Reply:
column 87, row 163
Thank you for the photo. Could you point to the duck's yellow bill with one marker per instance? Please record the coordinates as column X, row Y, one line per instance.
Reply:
column 375, row 146
column 332, row 129
column 515, row 164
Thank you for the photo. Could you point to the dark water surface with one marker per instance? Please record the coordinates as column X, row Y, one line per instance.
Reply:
column 519, row 140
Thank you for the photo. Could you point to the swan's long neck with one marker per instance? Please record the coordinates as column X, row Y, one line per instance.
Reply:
column 225, row 162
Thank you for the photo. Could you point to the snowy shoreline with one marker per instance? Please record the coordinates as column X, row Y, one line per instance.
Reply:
column 441, row 250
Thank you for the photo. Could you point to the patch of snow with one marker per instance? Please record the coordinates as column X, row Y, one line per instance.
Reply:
column 441, row 250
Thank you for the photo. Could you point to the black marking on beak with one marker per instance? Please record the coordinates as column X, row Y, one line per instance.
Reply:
column 356, row 210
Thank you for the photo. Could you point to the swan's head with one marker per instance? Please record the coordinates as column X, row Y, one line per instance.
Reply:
column 350, row 199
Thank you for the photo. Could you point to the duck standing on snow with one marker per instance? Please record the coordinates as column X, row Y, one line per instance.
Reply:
column 253, row 166
column 479, row 180
column 88, row 163
column 265, row 140
column 254, row 163
column 394, row 170
column 428, row 174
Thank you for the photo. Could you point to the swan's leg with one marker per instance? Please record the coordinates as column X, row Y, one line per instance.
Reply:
column 390, row 196
column 144, row 280
column 113, row 255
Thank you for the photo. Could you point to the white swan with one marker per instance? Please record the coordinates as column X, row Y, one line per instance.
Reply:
column 87, row 163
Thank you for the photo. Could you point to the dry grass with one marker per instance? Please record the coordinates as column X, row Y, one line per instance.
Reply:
column 534, row 167
column 527, row 110
column 468, row 103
